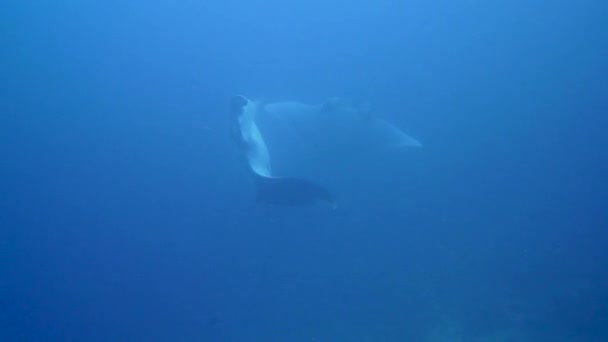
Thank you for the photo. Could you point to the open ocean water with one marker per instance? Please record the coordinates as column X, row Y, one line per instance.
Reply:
column 127, row 213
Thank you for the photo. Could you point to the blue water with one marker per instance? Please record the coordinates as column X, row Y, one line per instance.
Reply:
column 126, row 214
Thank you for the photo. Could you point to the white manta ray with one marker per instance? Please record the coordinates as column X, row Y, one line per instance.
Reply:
column 293, row 148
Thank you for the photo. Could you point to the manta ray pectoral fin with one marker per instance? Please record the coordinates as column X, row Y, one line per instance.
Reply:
column 391, row 136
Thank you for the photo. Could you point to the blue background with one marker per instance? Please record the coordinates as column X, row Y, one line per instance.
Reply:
column 126, row 213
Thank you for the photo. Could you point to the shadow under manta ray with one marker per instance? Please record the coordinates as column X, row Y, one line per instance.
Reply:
column 271, row 189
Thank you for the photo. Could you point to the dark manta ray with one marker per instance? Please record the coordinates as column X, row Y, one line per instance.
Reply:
column 271, row 189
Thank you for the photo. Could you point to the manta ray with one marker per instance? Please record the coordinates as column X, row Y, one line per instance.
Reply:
column 292, row 147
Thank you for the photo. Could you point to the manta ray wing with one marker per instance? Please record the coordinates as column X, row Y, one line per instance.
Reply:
column 319, row 141
column 389, row 135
